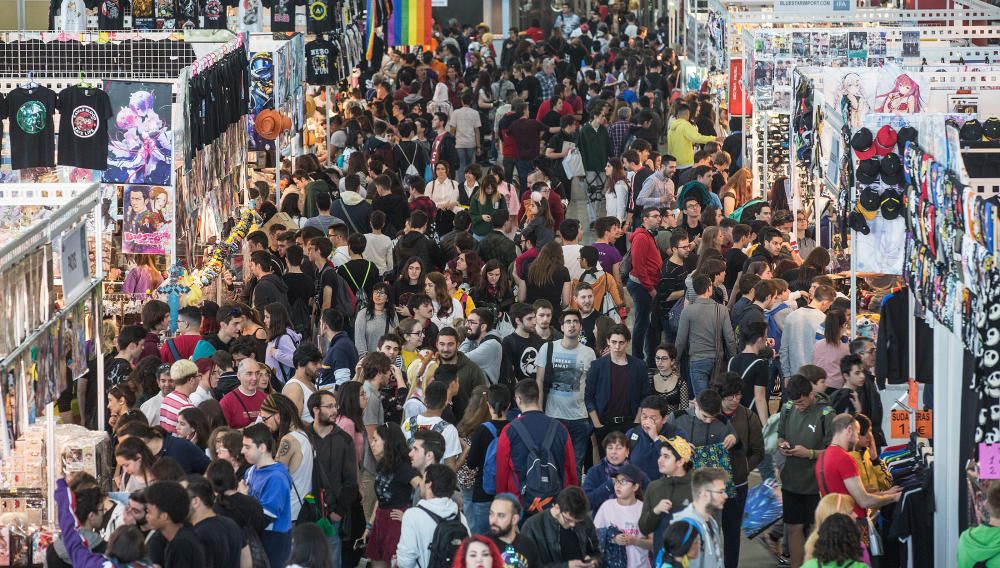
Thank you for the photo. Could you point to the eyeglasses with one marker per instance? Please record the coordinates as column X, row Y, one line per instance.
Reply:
column 623, row 482
column 663, row 359
column 421, row 332
column 716, row 491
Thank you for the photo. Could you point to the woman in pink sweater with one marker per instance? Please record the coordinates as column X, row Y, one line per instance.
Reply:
column 828, row 351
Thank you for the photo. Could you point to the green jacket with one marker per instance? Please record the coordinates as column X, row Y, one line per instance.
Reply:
column 595, row 147
column 812, row 429
column 979, row 544
column 480, row 226
column 309, row 209
column 677, row 489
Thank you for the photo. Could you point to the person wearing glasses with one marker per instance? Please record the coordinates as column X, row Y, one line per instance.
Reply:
column 708, row 494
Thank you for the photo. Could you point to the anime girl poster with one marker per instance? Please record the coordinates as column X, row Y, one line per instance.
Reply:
column 140, row 145
column 900, row 93
column 851, row 92
column 148, row 220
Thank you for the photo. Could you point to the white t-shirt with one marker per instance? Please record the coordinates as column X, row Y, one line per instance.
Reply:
column 250, row 16
column 571, row 258
column 626, row 519
column 452, row 446
column 465, row 121
column 73, row 16
column 565, row 399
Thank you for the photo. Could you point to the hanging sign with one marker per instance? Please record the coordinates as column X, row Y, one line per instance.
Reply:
column 74, row 262
column 912, row 394
column 925, row 423
column 899, row 426
column 739, row 104
column 989, row 461
column 814, row 6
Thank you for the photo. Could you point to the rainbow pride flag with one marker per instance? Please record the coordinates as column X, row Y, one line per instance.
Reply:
column 371, row 24
column 410, row 23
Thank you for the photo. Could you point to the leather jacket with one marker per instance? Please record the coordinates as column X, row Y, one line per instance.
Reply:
column 543, row 529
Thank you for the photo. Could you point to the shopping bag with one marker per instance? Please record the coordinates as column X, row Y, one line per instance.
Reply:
column 762, row 509
column 573, row 164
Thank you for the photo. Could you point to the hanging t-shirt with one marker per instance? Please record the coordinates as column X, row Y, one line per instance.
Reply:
column 73, row 16
column 248, row 14
column 111, row 14
column 188, row 12
column 320, row 62
column 142, row 15
column 318, row 16
column 214, row 12
column 3, row 115
column 32, row 136
column 282, row 15
column 166, row 14
column 83, row 127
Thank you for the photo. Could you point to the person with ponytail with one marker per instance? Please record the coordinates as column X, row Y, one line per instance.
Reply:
column 681, row 545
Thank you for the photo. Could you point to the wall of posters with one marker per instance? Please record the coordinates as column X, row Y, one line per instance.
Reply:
column 140, row 147
column 148, row 220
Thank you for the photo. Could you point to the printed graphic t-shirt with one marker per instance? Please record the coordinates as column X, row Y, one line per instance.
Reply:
column 32, row 136
column 565, row 398
column 111, row 14
column 83, row 127
column 320, row 59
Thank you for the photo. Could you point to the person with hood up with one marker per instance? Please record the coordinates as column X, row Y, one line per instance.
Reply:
column 354, row 209
column 76, row 547
column 980, row 545
column 440, row 102
column 482, row 343
column 270, row 287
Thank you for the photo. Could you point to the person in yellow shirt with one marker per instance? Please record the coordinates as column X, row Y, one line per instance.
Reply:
column 682, row 136
column 874, row 475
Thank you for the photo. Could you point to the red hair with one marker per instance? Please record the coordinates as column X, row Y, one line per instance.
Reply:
column 459, row 561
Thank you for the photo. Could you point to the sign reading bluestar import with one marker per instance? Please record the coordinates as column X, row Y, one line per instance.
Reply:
column 813, row 6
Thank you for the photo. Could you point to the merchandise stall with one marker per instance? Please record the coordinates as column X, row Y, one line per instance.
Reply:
column 705, row 46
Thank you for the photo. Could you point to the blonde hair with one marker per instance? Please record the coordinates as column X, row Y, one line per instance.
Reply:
column 831, row 504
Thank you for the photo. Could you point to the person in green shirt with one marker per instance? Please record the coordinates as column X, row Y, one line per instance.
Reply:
column 670, row 493
column 805, row 429
column 485, row 203
column 980, row 545
column 838, row 545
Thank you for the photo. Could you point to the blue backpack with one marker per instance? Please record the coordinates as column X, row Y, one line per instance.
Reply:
column 490, row 463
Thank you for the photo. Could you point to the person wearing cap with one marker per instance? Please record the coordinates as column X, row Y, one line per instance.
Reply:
column 183, row 374
column 617, row 520
column 671, row 492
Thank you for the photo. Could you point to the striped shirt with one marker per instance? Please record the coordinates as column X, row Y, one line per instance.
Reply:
column 171, row 408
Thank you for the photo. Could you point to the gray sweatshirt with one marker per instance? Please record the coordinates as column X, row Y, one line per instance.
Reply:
column 696, row 334
column 711, row 538
column 485, row 353
column 368, row 331
column 798, row 339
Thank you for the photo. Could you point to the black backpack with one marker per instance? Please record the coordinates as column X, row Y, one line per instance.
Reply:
column 542, row 480
column 448, row 535
column 301, row 317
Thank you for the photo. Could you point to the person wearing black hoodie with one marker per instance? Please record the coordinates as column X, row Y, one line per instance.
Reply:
column 415, row 243
column 769, row 248
column 270, row 287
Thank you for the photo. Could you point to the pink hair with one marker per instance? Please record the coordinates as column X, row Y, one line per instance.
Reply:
column 903, row 80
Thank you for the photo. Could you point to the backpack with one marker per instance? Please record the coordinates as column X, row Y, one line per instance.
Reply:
column 541, row 480
column 737, row 214
column 626, row 265
column 773, row 331
column 298, row 314
column 361, row 299
column 343, row 296
column 608, row 296
column 410, row 427
column 286, row 371
column 448, row 536
column 490, row 462
column 506, row 376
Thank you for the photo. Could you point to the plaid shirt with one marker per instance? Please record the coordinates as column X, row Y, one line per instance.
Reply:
column 619, row 132
column 547, row 85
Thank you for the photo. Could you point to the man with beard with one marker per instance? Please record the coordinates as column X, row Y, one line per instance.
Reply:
column 520, row 349
column 308, row 361
column 335, row 472
column 483, row 345
column 708, row 494
column 670, row 288
column 517, row 551
column 457, row 364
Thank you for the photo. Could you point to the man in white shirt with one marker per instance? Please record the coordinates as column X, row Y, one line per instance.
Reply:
column 420, row 522
column 436, row 398
column 571, row 234
column 151, row 408
column 465, row 124
column 208, row 380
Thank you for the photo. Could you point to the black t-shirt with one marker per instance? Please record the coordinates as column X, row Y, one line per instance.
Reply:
column 156, row 548
column 522, row 553
column 618, row 403
column 576, row 54
column 360, row 273
column 222, row 540
column 218, row 343
column 318, row 16
column 570, row 544
column 282, row 15
column 185, row 550
column 325, row 278
column 188, row 14
column 300, row 286
column 914, row 520
column 734, row 264
column 111, row 14
column 394, row 490
column 756, row 377
column 522, row 353
column 321, row 56
column 588, row 337
column 531, row 84
column 215, row 14
column 32, row 134
column 671, row 280
column 116, row 371
column 551, row 292
column 244, row 510
column 83, row 127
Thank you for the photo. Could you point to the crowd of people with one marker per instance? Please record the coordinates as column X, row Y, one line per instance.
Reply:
column 431, row 363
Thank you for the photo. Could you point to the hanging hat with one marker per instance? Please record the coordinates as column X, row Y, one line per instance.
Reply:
column 972, row 131
column 863, row 144
column 892, row 203
column 868, row 199
column 905, row 134
column 991, row 128
column 269, row 124
column 885, row 140
column 867, row 214
column 868, row 170
column 857, row 222
column 891, row 168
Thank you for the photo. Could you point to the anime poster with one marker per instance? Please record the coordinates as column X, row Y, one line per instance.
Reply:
column 140, row 147
column 911, row 44
column 900, row 92
column 851, row 92
column 857, row 48
column 148, row 220
column 261, row 93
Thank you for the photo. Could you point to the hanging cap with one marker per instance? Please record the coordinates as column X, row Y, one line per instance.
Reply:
column 868, row 199
column 885, row 140
column 892, row 203
column 905, row 134
column 858, row 222
column 971, row 131
column 868, row 170
column 863, row 144
column 991, row 128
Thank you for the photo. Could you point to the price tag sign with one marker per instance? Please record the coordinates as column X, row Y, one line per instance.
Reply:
column 925, row 423
column 899, row 426
column 912, row 394
column 989, row 461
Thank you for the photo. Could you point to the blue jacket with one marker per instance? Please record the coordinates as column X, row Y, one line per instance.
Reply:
column 599, row 486
column 644, row 452
column 339, row 362
column 598, row 391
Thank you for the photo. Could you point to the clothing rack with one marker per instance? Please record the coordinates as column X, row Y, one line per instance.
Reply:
column 216, row 55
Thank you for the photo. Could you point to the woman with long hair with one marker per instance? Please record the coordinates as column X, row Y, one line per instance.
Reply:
column 213, row 413
column 412, row 333
column 226, row 444
column 828, row 351
column 778, row 196
column 310, row 548
column 485, row 204
column 192, row 425
column 711, row 238
column 510, row 193
column 711, row 216
column 244, row 510
column 444, row 192
column 374, row 320
column 476, row 412
column 410, row 281
column 146, row 375
column 295, row 450
column 539, row 225
column 737, row 191
column 814, row 265
column 602, row 335
column 470, row 266
column 121, row 399
column 290, row 205
column 616, row 189
column 352, row 399
column 494, row 289
column 446, row 308
column 134, row 460
column 144, row 278
column 282, row 339
column 253, row 326
column 478, row 551
column 395, row 480
column 548, row 279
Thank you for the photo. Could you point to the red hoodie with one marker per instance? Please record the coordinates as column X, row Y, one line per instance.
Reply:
column 646, row 260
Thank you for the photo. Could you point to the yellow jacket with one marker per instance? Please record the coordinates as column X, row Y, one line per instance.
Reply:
column 875, row 477
column 681, row 138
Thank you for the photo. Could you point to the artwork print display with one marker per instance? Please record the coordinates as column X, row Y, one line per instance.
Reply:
column 140, row 147
column 148, row 219
column 261, row 93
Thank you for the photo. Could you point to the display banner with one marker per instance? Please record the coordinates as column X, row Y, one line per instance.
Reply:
column 148, row 219
column 739, row 103
column 140, row 147
column 814, row 6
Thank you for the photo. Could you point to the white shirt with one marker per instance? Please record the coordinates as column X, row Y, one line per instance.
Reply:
column 571, row 258
column 452, row 445
column 200, row 395
column 340, row 256
column 151, row 408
